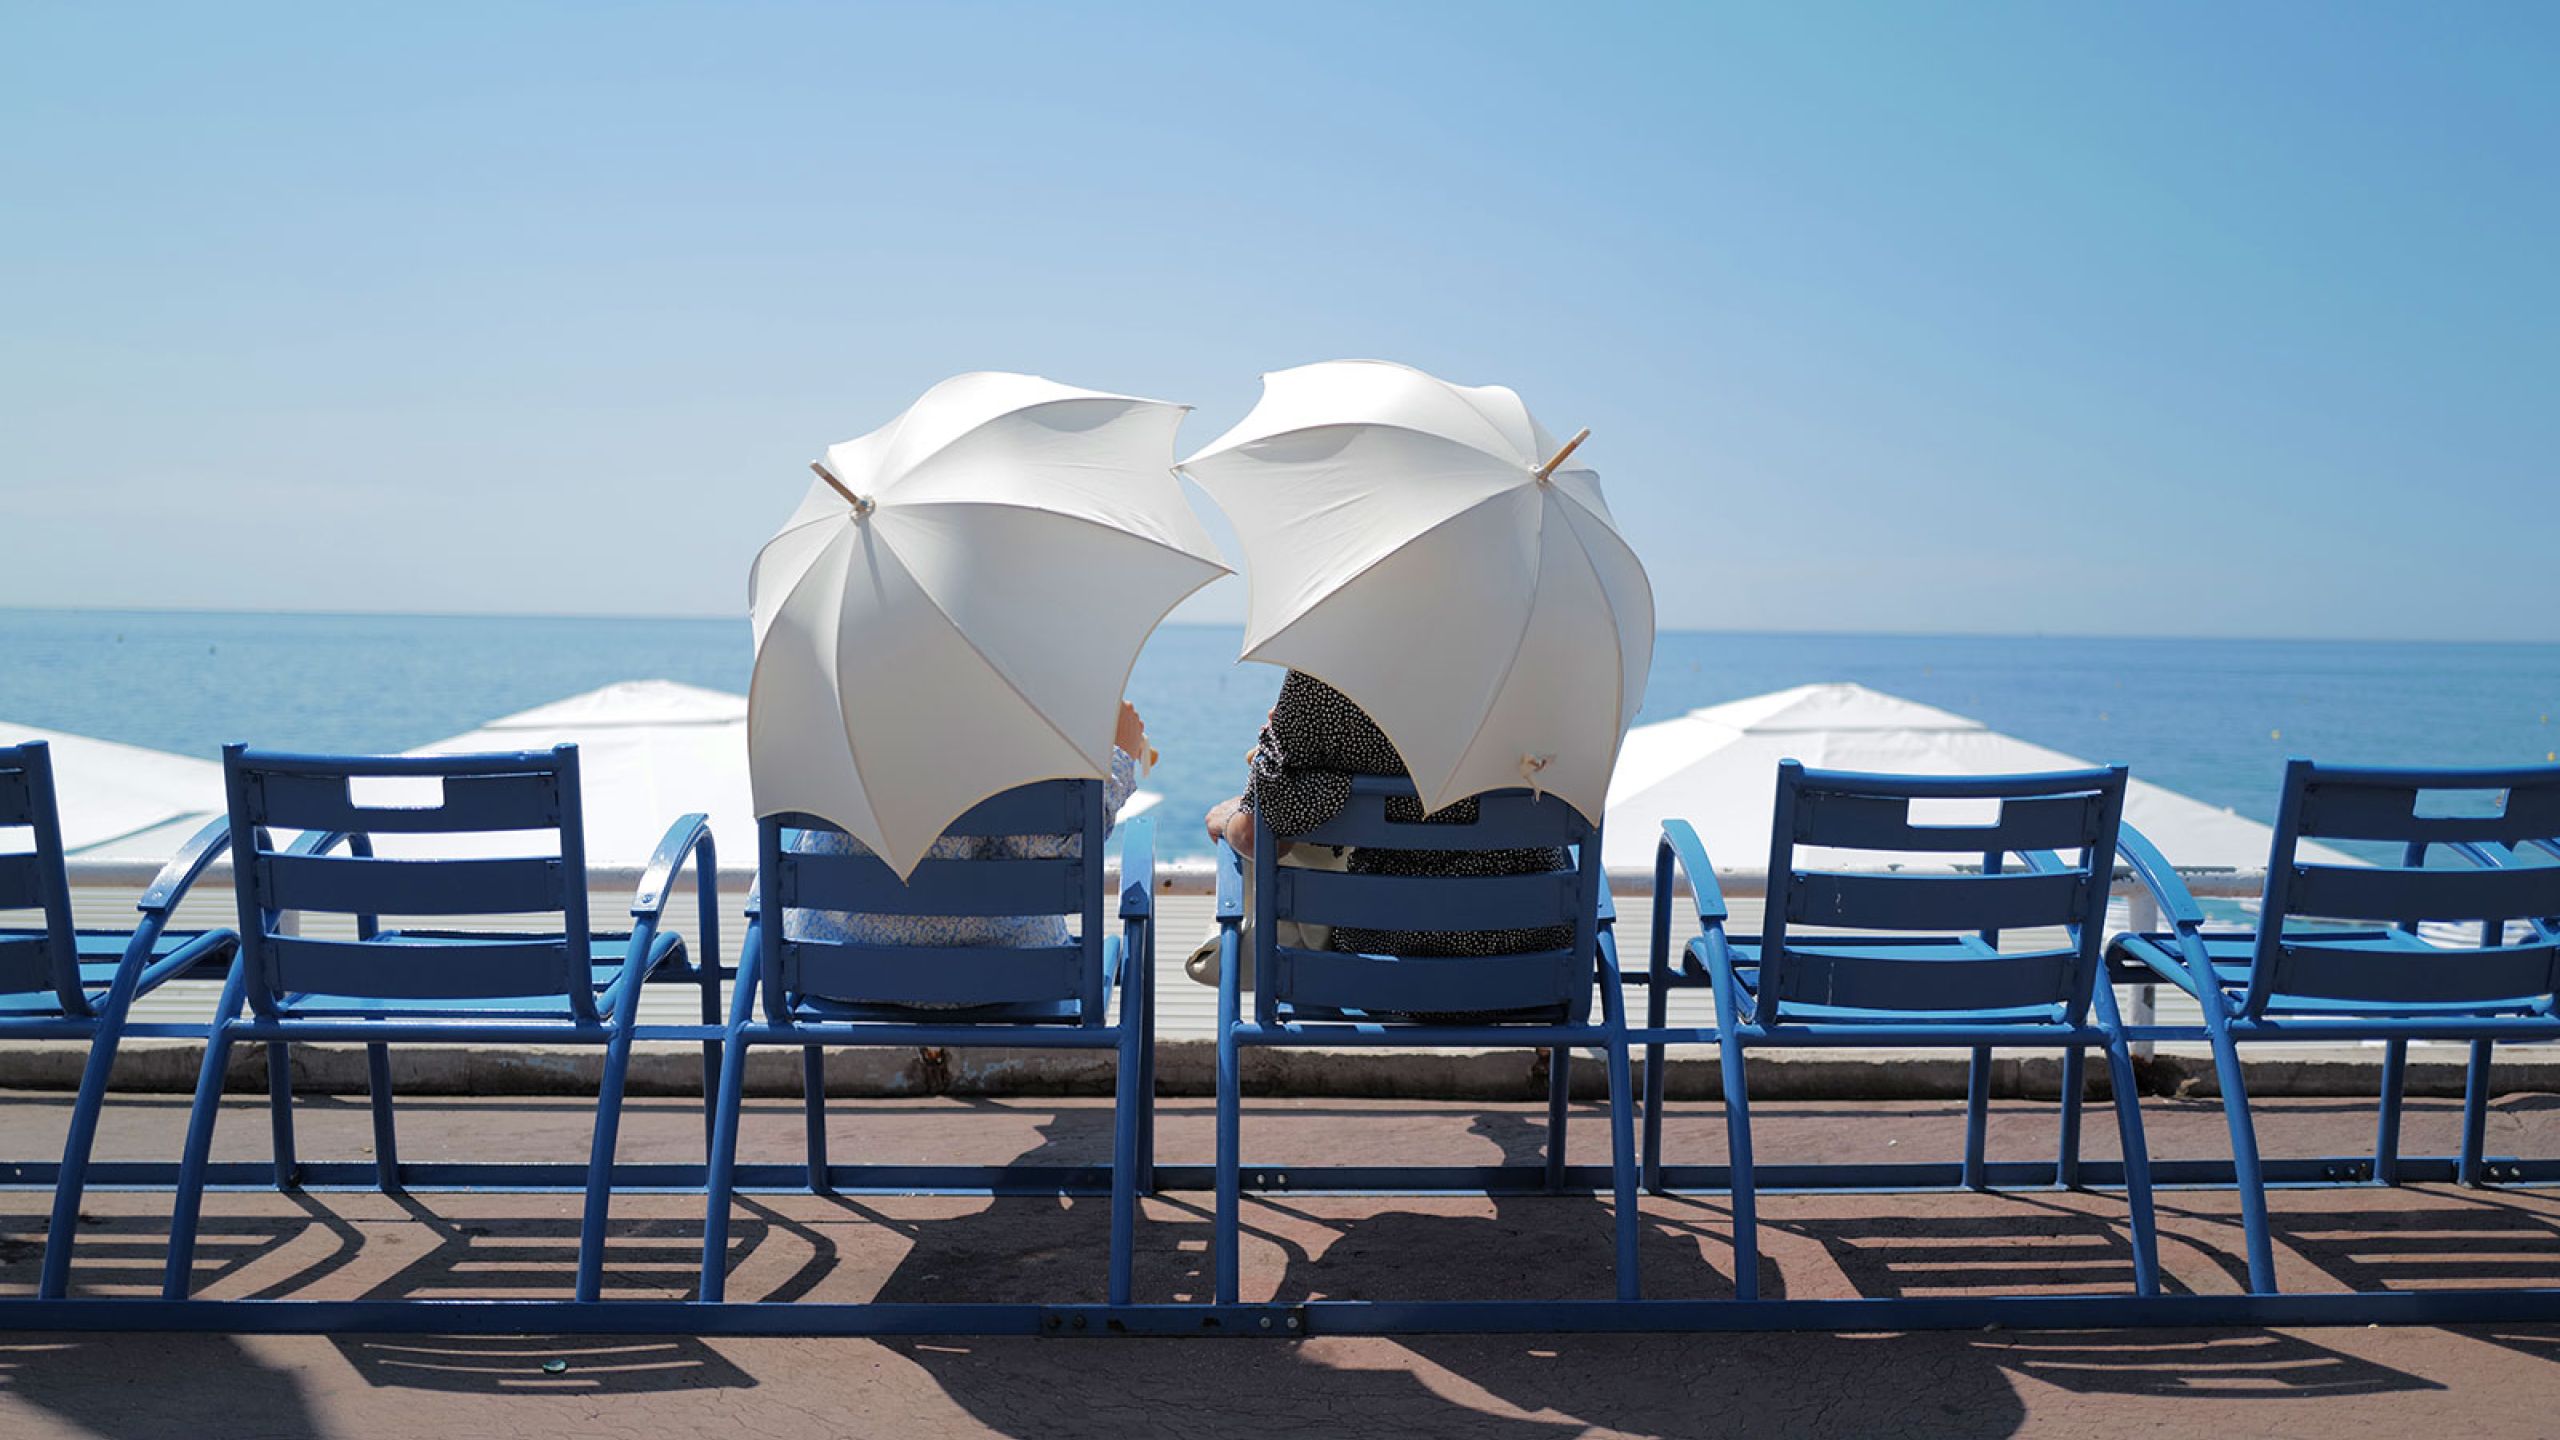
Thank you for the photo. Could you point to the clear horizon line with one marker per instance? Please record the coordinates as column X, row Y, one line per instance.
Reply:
column 639, row 617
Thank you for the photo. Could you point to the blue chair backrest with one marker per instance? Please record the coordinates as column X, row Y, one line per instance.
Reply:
column 862, row 884
column 2414, row 809
column 533, row 794
column 43, row 956
column 2068, row 818
column 1338, row 980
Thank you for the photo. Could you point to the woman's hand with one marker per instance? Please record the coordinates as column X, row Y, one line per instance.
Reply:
column 1131, row 736
column 1222, row 813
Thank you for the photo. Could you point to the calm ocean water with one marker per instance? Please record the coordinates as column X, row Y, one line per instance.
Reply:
column 2213, row 718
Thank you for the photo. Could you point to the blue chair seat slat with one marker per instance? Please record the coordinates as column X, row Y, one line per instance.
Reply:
column 26, row 965
column 1850, row 821
column 349, row 885
column 1935, row 901
column 1392, row 902
column 860, row 883
column 25, row 880
column 818, row 1009
column 471, row 803
column 101, row 953
column 1856, row 978
column 422, row 966
column 2384, row 892
column 604, row 967
column 2352, row 805
column 910, row 974
column 1505, row 820
column 2403, row 969
column 1336, row 980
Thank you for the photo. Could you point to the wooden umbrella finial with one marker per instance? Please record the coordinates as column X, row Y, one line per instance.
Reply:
column 860, row 505
column 1547, row 471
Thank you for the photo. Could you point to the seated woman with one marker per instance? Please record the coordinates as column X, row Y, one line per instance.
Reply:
column 1312, row 745
column 1128, row 742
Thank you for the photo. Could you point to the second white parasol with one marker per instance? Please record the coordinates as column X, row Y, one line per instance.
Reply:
column 956, row 605
column 1424, row 548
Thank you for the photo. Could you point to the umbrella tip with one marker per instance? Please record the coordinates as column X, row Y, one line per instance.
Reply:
column 1547, row 471
column 862, row 504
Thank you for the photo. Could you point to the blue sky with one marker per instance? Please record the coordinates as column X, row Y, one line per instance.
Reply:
column 2169, row 318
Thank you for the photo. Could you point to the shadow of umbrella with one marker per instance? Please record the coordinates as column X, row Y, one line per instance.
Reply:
column 1042, row 1245
column 145, row 1387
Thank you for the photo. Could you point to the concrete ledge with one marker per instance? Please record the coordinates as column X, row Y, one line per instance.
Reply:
column 1188, row 1068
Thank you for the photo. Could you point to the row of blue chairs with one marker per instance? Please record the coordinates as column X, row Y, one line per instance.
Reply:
column 1907, row 957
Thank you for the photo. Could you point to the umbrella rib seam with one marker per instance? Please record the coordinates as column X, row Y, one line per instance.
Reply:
column 1380, row 559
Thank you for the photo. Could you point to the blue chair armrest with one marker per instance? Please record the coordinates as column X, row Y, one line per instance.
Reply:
column 1680, row 844
column 688, row 838
column 2152, row 871
column 1230, row 885
column 177, row 962
column 1137, row 869
column 171, row 884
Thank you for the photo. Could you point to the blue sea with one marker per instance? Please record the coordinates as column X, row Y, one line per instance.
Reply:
column 2213, row 718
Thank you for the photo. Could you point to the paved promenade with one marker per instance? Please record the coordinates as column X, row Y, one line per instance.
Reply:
column 2329, row 1383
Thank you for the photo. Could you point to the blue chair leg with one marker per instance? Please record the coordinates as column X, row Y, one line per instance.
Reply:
column 1225, row 1244
column 2475, row 1116
column 1656, row 1015
column 591, row 1228
column 2386, row 1120
column 1622, row 1134
column 386, row 1138
column 2137, row 1149
column 813, row 1115
column 280, row 1112
column 1559, row 1100
column 2247, row 1176
column 1124, row 1161
column 721, row 1177
column 1146, row 992
column 1977, row 1114
column 188, row 1204
column 709, row 976
column 1741, row 1184
column 62, row 1231
column 2066, row 1160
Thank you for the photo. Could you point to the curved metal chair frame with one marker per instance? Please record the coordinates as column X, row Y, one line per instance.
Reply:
column 815, row 994
column 2336, row 955
column 1309, row 997
column 566, row 984
column 1920, row 964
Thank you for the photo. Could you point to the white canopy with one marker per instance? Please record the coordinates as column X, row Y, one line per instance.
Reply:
column 648, row 751
column 124, row 801
column 1717, row 769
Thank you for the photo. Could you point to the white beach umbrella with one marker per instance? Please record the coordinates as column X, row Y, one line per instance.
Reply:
column 1717, row 768
column 1420, row 547
column 956, row 605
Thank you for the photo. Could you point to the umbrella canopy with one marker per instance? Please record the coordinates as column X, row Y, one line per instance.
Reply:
column 956, row 605
column 1418, row 546
column 125, row 801
column 648, row 751
column 1717, row 768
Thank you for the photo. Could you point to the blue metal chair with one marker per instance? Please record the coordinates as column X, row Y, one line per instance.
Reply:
column 562, row 983
column 58, row 982
column 2337, row 956
column 1907, row 959
column 819, row 993
column 1333, row 998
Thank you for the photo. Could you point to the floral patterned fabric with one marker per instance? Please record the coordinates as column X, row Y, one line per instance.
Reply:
column 991, row 930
